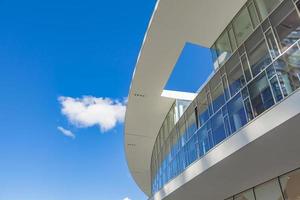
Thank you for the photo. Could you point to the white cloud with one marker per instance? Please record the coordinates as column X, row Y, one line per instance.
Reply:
column 90, row 111
column 66, row 132
column 126, row 198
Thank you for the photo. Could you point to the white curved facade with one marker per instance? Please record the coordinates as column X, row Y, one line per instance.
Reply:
column 201, row 22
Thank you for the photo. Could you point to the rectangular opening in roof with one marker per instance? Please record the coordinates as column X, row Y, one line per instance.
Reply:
column 192, row 69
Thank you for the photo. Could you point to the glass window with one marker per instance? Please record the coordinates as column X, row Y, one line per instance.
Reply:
column 223, row 48
column 226, row 87
column 266, row 6
column 266, row 25
column 274, row 50
column 260, row 94
column 247, row 195
column 171, row 121
column 203, row 113
column 288, row 70
column 290, row 184
column 218, row 130
column 173, row 167
column 286, row 24
column 235, row 74
column 242, row 26
column 214, row 55
column 248, row 109
column 276, row 88
column 191, row 123
column 182, row 106
column 209, row 100
column 182, row 131
column 253, row 14
column 246, row 67
column 174, row 143
column 180, row 158
column 204, row 139
column 271, row 71
column 165, row 130
column 258, row 53
column 268, row 191
column 232, row 39
column 237, row 116
column 227, row 126
column 217, row 93
column 191, row 150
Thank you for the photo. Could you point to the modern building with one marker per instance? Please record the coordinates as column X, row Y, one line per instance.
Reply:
column 238, row 137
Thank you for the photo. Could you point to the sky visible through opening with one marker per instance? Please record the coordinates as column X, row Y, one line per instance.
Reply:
column 65, row 71
column 192, row 69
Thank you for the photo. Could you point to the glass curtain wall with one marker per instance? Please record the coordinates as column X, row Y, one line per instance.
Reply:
column 257, row 52
column 286, row 25
column 242, row 26
column 266, row 6
column 263, row 68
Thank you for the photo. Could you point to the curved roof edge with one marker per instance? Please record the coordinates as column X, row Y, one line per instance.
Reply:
column 173, row 23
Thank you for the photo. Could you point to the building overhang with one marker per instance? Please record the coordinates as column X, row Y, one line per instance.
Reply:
column 173, row 23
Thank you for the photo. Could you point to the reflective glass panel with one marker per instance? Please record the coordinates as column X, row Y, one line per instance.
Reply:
column 182, row 132
column 203, row 113
column 242, row 26
column 290, row 184
column 276, row 88
column 246, row 67
column 286, row 23
column 223, row 48
column 248, row 108
column 214, row 55
column 217, row 93
column 174, row 143
column 191, row 124
column 218, row 130
column 181, row 160
column 225, row 86
column 260, row 94
column 204, row 139
column 288, row 70
column 253, row 15
column 272, row 43
column 268, row 191
column 182, row 106
column 237, row 115
column 258, row 53
column 232, row 39
column 235, row 74
column 266, row 6
column 191, row 150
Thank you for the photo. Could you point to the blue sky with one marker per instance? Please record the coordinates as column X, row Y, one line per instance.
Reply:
column 59, row 60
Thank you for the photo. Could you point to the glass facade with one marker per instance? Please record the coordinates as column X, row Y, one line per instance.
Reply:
column 285, row 187
column 258, row 65
column 266, row 6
